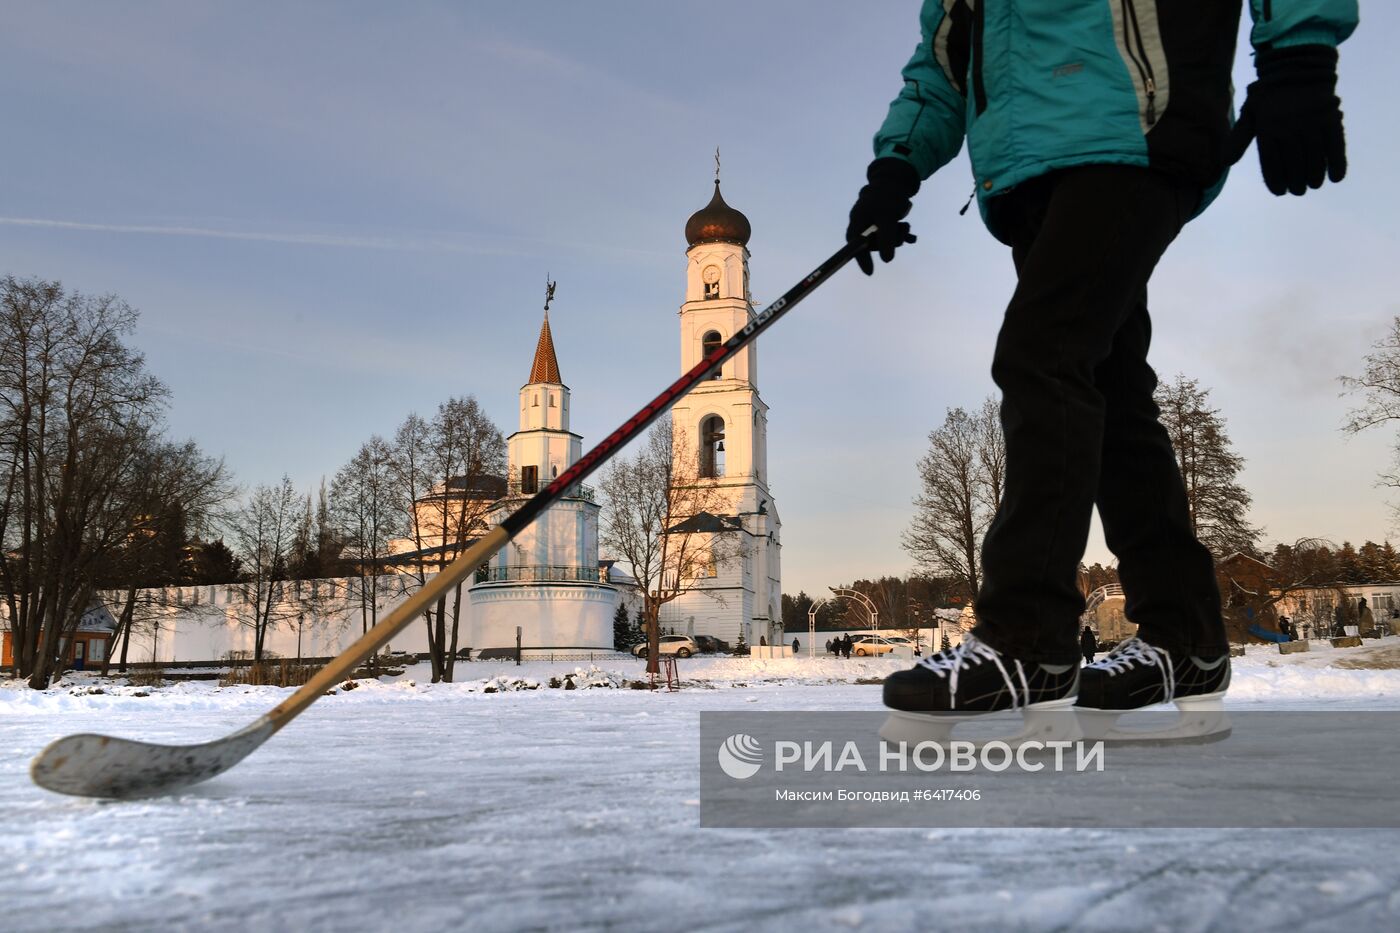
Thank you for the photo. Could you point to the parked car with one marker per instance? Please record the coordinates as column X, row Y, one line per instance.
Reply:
column 899, row 641
column 682, row 646
column 708, row 644
column 868, row 645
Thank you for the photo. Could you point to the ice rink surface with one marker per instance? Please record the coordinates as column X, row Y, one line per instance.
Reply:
column 415, row 808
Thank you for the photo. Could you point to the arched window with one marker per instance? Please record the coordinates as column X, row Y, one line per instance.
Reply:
column 708, row 345
column 537, row 400
column 553, row 403
column 712, row 446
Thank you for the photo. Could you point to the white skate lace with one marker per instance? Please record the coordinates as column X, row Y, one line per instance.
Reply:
column 1135, row 651
column 973, row 651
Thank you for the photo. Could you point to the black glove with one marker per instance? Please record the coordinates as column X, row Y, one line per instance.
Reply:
column 1294, row 111
column 883, row 203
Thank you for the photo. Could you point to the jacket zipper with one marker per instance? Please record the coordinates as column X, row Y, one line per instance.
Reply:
column 979, row 89
column 1140, row 59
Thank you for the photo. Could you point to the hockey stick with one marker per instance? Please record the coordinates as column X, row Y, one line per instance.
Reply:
column 90, row 765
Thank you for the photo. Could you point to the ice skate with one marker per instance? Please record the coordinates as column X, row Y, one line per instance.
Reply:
column 972, row 681
column 1136, row 675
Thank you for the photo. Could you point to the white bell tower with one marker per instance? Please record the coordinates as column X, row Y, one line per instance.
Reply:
column 723, row 425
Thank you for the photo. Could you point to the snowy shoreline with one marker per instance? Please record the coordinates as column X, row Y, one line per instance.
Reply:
column 1261, row 676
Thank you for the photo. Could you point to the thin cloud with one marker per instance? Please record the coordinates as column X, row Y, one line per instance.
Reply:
column 296, row 239
column 416, row 245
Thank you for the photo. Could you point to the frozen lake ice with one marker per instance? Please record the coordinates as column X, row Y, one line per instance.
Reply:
column 424, row 808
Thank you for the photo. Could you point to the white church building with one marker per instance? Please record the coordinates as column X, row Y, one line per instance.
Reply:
column 549, row 581
column 724, row 424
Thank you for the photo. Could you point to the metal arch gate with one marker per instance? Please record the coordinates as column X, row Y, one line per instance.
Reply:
column 844, row 593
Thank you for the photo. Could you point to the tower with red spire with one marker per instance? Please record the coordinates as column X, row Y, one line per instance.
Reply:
column 547, row 580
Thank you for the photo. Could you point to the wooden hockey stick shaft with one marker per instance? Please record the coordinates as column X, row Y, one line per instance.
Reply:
column 101, row 766
column 484, row 549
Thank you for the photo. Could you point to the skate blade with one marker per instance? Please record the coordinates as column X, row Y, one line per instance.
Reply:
column 1200, row 720
column 1053, row 720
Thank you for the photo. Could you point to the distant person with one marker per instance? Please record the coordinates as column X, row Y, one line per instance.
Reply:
column 846, row 647
column 794, row 646
column 1088, row 645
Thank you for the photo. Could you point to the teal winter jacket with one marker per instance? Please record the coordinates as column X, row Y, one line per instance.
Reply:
column 1037, row 85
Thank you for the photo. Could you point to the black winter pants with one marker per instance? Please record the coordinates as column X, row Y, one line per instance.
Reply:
column 1080, row 423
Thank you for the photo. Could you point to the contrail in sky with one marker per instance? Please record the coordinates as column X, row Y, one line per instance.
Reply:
column 504, row 245
column 298, row 239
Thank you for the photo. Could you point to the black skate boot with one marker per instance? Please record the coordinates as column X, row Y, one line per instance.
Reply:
column 1136, row 674
column 972, row 679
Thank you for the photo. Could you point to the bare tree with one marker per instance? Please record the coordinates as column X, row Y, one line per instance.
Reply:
column 362, row 509
column 1379, row 384
column 78, row 414
column 1217, row 503
column 991, row 453
column 263, row 533
column 962, row 477
column 438, row 470
column 667, row 522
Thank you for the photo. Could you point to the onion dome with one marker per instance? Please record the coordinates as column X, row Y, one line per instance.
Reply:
column 717, row 222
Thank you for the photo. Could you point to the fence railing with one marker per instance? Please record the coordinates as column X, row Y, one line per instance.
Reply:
column 541, row 575
column 581, row 491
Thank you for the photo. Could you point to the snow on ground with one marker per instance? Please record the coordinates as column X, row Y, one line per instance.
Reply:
column 429, row 807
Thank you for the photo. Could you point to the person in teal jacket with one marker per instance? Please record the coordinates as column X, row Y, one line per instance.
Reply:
column 1096, row 130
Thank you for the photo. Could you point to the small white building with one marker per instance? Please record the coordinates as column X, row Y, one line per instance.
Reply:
column 547, row 580
column 1313, row 609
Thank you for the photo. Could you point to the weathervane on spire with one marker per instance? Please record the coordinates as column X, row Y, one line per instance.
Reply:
column 548, row 292
column 717, row 165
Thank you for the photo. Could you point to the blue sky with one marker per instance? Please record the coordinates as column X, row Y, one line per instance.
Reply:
column 331, row 214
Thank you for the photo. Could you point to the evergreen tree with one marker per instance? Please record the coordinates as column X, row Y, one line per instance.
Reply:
column 795, row 609
column 1371, row 563
column 214, row 562
column 1390, row 564
column 1348, row 564
column 622, row 629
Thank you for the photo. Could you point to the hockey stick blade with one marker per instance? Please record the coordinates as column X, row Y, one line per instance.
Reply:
column 103, row 766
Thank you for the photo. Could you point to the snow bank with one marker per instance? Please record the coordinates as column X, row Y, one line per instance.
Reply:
column 1262, row 676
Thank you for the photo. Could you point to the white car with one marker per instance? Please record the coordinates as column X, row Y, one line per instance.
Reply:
column 879, row 644
column 682, row 646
